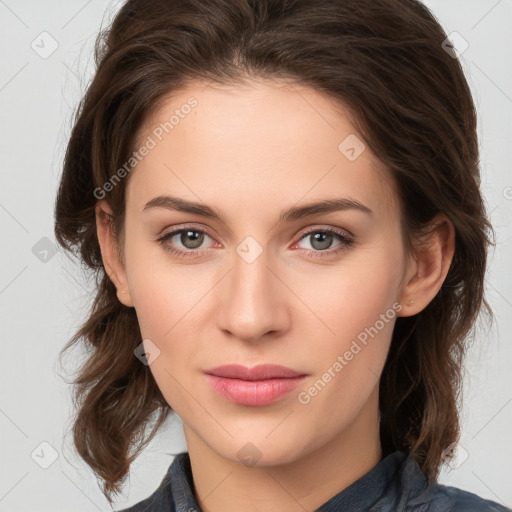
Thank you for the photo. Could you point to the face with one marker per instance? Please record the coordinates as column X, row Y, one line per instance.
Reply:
column 314, row 291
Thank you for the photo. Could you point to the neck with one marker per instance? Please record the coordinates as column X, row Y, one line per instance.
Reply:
column 306, row 483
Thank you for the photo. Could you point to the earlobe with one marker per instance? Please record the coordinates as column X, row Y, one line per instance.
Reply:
column 429, row 267
column 109, row 252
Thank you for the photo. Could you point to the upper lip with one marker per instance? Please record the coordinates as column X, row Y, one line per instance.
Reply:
column 259, row 372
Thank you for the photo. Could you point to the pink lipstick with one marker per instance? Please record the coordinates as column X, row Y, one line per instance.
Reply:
column 260, row 385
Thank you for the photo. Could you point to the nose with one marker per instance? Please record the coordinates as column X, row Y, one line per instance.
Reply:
column 253, row 301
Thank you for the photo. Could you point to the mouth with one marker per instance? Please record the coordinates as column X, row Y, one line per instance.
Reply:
column 257, row 386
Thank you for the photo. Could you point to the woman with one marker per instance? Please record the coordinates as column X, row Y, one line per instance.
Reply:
column 281, row 202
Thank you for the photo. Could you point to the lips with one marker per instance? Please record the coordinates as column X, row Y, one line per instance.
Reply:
column 261, row 385
column 259, row 372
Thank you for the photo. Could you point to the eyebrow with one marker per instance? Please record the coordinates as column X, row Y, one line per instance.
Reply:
column 292, row 214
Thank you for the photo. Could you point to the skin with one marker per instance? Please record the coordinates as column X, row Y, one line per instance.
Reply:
column 252, row 151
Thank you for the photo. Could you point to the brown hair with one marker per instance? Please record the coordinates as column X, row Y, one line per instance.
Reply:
column 385, row 61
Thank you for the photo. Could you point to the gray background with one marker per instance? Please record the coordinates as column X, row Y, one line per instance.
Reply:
column 44, row 296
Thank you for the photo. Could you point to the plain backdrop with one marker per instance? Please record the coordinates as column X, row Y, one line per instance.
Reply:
column 46, row 62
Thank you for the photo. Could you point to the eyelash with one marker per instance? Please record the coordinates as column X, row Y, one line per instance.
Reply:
column 346, row 242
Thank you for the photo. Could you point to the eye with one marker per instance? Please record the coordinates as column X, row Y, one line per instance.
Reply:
column 190, row 239
column 321, row 241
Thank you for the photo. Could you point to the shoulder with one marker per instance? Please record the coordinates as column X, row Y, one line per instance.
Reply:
column 453, row 499
column 436, row 497
column 159, row 501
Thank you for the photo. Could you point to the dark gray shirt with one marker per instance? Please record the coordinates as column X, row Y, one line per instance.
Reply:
column 396, row 484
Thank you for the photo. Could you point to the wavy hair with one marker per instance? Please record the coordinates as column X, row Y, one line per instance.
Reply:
column 388, row 62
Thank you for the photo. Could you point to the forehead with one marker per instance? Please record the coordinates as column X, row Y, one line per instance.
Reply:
column 261, row 143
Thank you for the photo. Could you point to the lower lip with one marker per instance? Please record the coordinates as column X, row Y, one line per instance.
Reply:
column 256, row 392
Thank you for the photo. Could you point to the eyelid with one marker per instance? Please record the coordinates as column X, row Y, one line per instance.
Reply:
column 319, row 227
column 183, row 227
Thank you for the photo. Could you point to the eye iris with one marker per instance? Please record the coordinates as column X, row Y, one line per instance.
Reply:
column 325, row 240
column 195, row 236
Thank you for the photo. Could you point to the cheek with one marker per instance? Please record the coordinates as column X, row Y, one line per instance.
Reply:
column 168, row 310
column 358, row 306
column 166, row 303
column 354, row 295
column 171, row 302
column 162, row 292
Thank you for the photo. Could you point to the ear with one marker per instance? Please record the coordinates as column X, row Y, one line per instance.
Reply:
column 427, row 269
column 110, row 252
